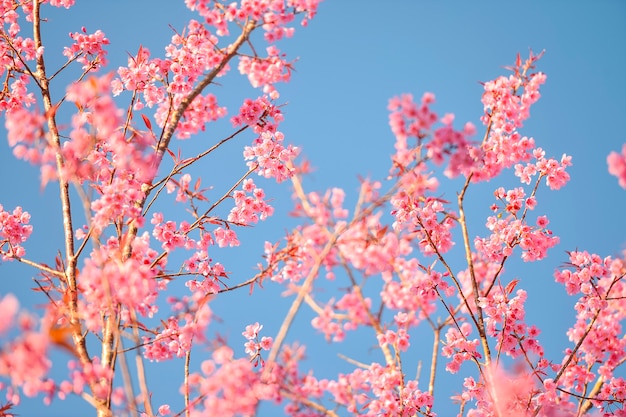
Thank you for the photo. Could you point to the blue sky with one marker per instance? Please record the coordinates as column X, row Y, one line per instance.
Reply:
column 352, row 58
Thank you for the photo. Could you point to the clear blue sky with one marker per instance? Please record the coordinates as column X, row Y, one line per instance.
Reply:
column 353, row 57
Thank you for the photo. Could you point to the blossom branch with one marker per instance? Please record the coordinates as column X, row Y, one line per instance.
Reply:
column 71, row 259
column 164, row 141
column 297, row 302
column 186, row 163
column 470, row 264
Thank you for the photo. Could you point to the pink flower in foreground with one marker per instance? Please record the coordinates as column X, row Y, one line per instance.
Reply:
column 8, row 309
column 617, row 166
column 25, row 361
column 508, row 394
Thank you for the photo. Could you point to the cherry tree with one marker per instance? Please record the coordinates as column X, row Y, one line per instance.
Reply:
column 115, row 143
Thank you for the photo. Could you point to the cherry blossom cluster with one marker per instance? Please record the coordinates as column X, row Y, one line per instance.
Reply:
column 199, row 263
column 551, row 169
column 226, row 237
column 367, row 246
column 373, row 391
column 415, row 292
column 117, row 203
column 260, row 114
column 325, row 323
column 249, row 209
column 408, row 120
column 426, row 216
column 14, row 231
column 293, row 257
column 92, row 374
column 13, row 57
column 509, row 232
column 62, row 3
column 88, row 49
column 165, row 83
column 110, row 283
column 203, row 109
column 399, row 340
column 18, row 96
column 11, row 20
column 25, row 361
column 303, row 246
column 26, row 136
column 346, row 314
column 140, row 76
column 178, row 334
column 505, row 321
column 600, row 285
column 96, row 145
column 254, row 346
column 96, row 137
column 413, row 209
column 502, row 393
column 459, row 347
column 268, row 154
column 189, row 56
column 227, row 386
column 507, row 102
column 266, row 72
column 512, row 230
column 169, row 234
column 274, row 14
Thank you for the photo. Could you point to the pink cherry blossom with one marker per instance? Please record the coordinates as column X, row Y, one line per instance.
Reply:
column 9, row 306
column 617, row 166
column 25, row 361
column 62, row 3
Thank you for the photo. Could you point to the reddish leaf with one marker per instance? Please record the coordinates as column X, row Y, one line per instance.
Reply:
column 511, row 286
column 147, row 121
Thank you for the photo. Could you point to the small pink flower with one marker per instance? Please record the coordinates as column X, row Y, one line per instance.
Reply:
column 542, row 221
column 266, row 342
column 252, row 331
